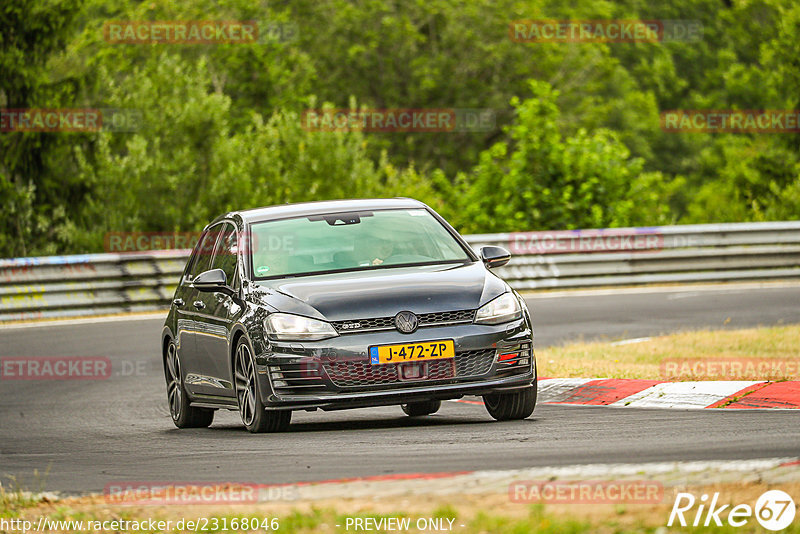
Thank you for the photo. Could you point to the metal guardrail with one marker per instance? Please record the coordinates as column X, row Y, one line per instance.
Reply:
column 669, row 254
column 90, row 284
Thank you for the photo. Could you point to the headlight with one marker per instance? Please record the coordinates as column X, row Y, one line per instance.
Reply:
column 288, row 327
column 500, row 310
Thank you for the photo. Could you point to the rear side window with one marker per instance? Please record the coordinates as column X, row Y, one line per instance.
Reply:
column 201, row 256
column 225, row 254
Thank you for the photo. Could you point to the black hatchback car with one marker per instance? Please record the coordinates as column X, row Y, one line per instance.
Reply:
column 343, row 304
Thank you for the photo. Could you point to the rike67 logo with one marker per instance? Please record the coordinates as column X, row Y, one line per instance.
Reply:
column 774, row 510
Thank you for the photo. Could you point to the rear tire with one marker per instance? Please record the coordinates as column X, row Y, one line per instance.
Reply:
column 511, row 406
column 418, row 409
column 255, row 417
column 183, row 415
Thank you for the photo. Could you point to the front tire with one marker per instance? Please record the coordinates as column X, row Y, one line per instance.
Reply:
column 418, row 409
column 183, row 415
column 255, row 417
column 511, row 406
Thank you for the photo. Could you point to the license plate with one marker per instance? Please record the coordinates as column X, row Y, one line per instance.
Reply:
column 412, row 352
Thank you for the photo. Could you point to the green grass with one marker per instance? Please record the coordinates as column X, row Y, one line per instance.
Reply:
column 13, row 497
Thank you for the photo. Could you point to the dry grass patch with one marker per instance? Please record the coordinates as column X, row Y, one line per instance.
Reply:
column 644, row 359
column 478, row 513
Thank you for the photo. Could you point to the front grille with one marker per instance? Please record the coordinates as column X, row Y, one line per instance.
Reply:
column 462, row 316
column 474, row 362
column 387, row 323
column 359, row 373
column 364, row 325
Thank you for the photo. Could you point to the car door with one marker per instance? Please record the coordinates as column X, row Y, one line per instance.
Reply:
column 184, row 340
column 192, row 317
column 219, row 314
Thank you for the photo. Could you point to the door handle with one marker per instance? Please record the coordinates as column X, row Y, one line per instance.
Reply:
column 178, row 302
column 199, row 304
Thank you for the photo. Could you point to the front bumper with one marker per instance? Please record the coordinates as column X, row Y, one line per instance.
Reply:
column 336, row 373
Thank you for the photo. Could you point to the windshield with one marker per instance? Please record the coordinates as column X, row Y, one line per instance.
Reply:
column 351, row 241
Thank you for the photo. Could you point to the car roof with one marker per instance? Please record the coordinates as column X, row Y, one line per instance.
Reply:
column 304, row 209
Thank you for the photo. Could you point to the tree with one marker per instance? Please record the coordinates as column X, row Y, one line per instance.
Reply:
column 35, row 199
column 544, row 180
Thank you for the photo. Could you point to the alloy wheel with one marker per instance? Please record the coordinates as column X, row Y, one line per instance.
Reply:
column 245, row 384
column 174, row 381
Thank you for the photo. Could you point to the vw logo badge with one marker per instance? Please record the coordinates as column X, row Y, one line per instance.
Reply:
column 406, row 322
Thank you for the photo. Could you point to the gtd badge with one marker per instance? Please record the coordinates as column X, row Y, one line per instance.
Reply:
column 406, row 322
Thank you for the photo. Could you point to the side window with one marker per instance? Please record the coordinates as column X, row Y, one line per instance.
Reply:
column 201, row 257
column 225, row 254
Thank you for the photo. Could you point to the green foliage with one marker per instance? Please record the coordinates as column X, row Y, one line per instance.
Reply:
column 580, row 145
column 188, row 162
column 32, row 194
column 546, row 180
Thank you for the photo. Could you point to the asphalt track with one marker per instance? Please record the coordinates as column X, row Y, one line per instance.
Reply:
column 78, row 436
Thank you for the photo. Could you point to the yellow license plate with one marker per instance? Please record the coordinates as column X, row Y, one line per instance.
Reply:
column 412, row 352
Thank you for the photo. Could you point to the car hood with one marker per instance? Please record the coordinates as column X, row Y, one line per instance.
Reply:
column 384, row 292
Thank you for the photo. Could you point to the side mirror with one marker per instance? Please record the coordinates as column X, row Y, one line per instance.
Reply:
column 212, row 281
column 494, row 256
